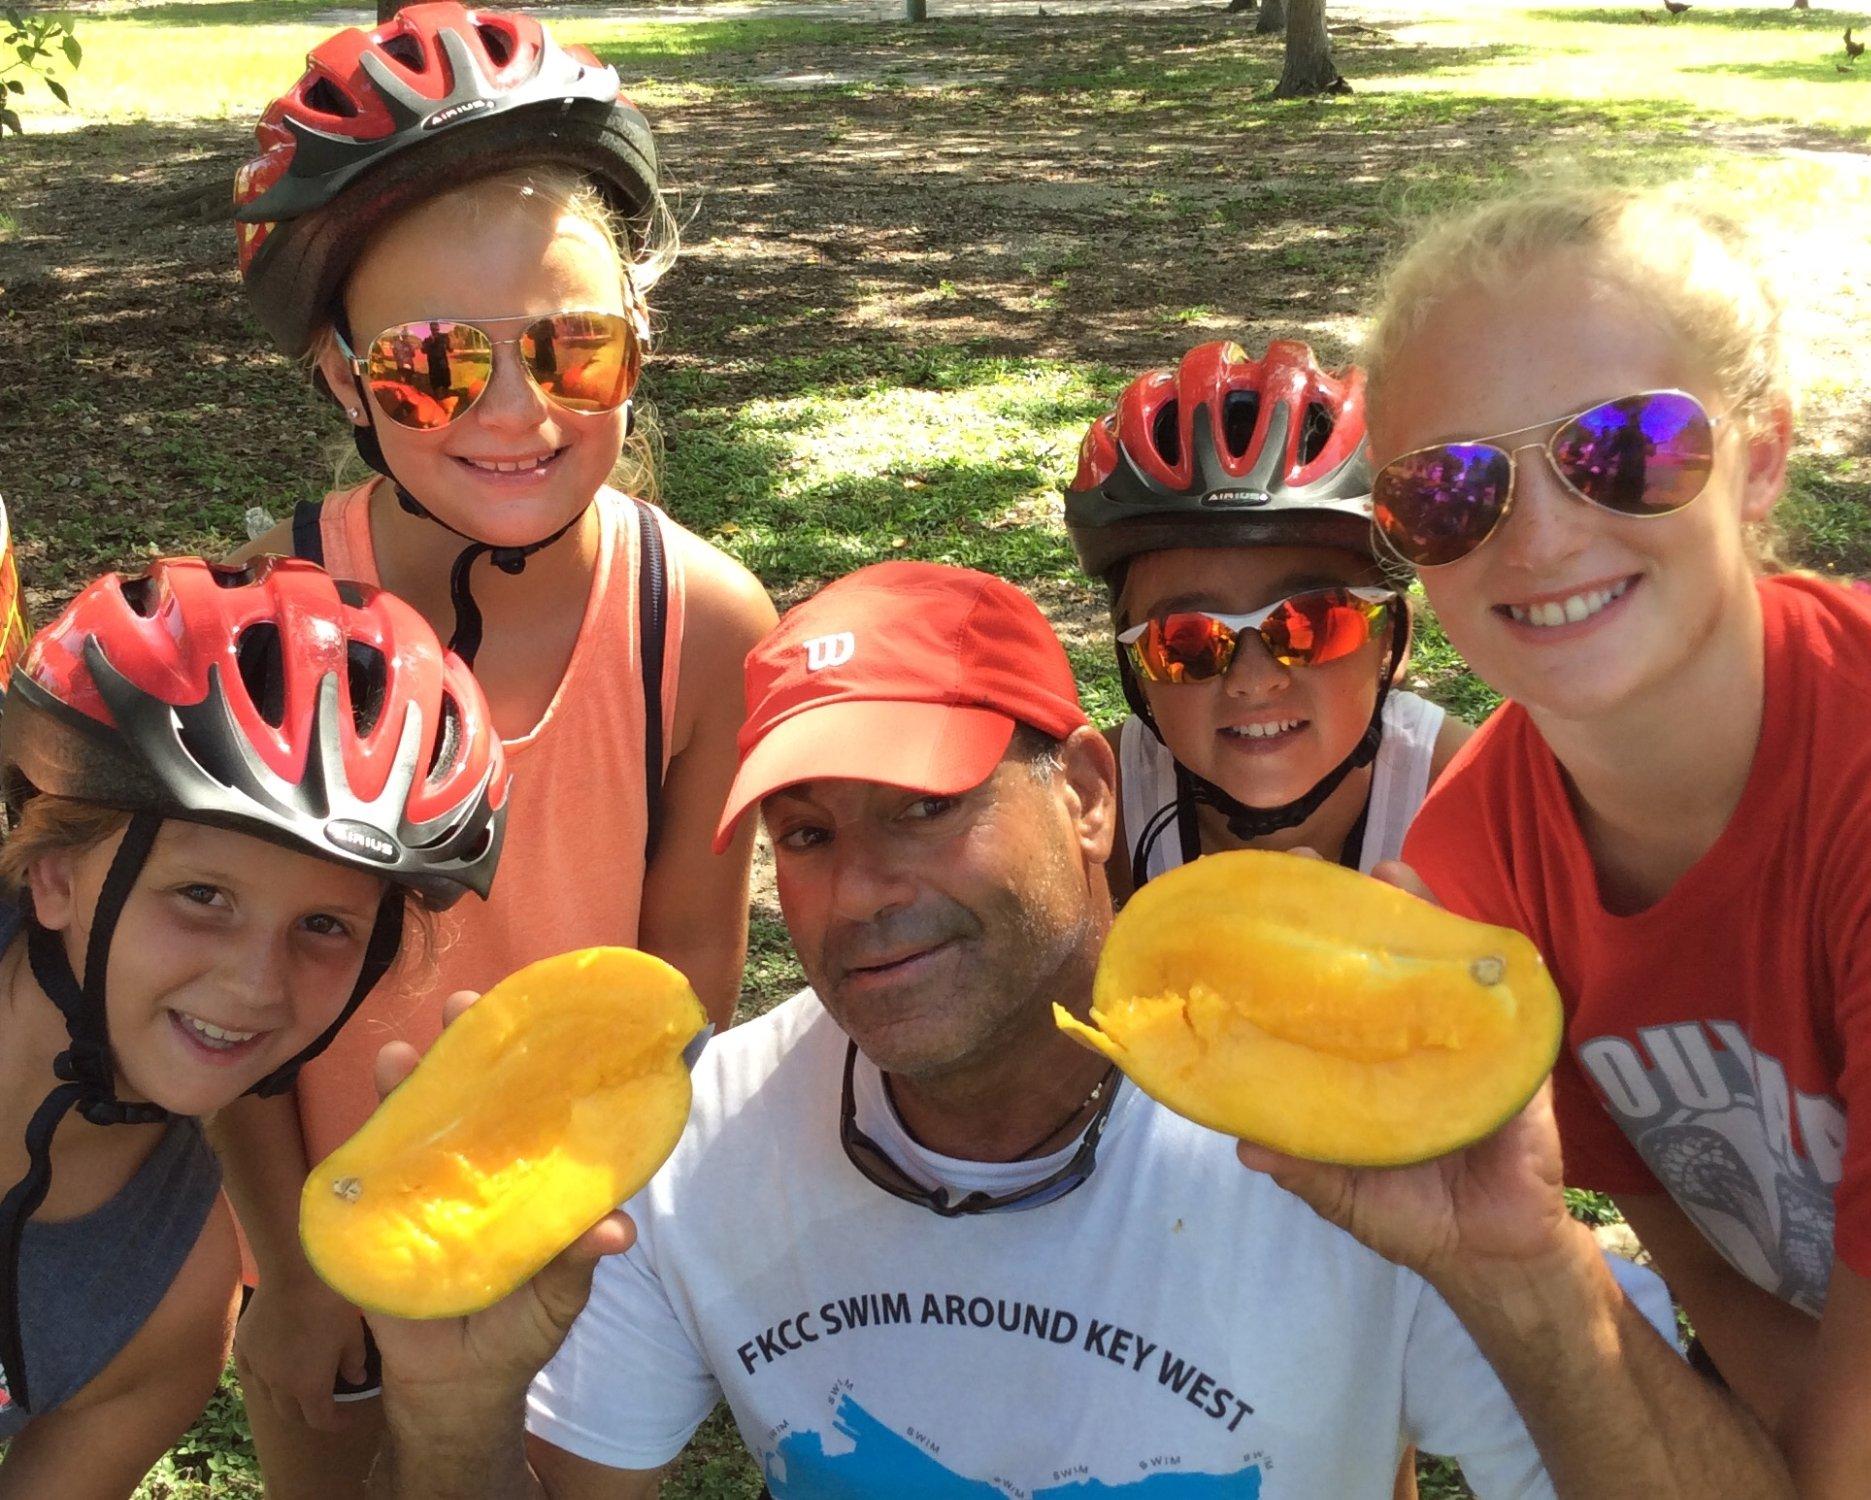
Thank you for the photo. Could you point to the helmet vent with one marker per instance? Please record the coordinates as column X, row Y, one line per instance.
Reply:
column 140, row 594
column 498, row 44
column 447, row 740
column 351, row 593
column 1314, row 433
column 232, row 576
column 1166, row 433
column 367, row 675
column 325, row 97
column 1240, row 410
column 263, row 670
column 406, row 50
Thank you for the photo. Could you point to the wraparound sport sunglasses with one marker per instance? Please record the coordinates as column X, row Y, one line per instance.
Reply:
column 874, row 1163
column 1642, row 455
column 1303, row 630
column 427, row 373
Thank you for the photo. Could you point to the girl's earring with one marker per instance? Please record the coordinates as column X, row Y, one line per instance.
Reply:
column 352, row 412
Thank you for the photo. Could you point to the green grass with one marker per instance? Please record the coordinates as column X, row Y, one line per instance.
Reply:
column 163, row 63
column 906, row 291
column 1824, row 520
column 1740, row 65
column 214, row 59
column 936, row 452
column 216, row 1458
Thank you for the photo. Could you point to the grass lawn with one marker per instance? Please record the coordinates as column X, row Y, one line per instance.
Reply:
column 918, row 261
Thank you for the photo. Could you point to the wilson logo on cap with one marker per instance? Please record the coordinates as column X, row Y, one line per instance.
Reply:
column 824, row 651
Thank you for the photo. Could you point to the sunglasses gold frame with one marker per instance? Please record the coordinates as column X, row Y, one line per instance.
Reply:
column 631, row 319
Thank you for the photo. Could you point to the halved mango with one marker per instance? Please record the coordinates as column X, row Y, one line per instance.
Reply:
column 551, row 1100
column 1328, row 1015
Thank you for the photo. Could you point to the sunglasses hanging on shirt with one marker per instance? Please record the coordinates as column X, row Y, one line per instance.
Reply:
column 874, row 1163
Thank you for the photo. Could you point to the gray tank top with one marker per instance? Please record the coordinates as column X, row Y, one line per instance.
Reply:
column 88, row 1284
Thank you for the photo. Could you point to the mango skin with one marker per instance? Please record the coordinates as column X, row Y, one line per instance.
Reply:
column 551, row 1100
column 1305, row 1007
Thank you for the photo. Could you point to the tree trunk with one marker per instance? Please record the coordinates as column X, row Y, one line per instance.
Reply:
column 915, row 10
column 1309, row 68
column 1235, row 7
column 1272, row 17
column 388, row 8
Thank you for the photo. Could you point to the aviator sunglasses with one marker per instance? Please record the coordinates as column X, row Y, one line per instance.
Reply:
column 1303, row 630
column 427, row 373
column 1642, row 455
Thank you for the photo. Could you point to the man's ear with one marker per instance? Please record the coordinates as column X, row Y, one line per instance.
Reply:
column 52, row 879
column 1088, row 774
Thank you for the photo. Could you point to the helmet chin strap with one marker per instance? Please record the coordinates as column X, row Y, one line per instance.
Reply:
column 465, row 642
column 86, row 1071
column 86, row 1074
column 1245, row 821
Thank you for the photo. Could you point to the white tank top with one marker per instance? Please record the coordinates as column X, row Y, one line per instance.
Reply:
column 1399, row 782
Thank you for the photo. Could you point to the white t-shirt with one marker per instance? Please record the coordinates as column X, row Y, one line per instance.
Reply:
column 1399, row 782
column 1177, row 1328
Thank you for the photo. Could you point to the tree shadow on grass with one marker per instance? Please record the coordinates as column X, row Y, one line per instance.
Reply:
column 140, row 409
column 837, row 243
column 780, row 484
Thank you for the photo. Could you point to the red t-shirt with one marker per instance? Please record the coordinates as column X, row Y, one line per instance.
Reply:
column 1720, row 1040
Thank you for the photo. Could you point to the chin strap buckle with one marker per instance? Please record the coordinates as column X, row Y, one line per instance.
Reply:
column 116, row 1112
column 85, row 1063
column 88, row 1065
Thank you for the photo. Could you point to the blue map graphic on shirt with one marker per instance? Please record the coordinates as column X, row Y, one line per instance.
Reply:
column 885, row 1463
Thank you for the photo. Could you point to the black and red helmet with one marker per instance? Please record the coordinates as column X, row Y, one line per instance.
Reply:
column 270, row 699
column 1224, row 451
column 433, row 98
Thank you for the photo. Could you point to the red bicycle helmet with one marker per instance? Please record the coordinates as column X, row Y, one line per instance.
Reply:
column 272, row 699
column 433, row 98
column 1224, row 451
column 269, row 699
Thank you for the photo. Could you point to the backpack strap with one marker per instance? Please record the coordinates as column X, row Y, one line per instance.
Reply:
column 308, row 540
column 652, row 636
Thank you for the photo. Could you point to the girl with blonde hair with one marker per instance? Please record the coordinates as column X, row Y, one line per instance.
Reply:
column 1581, row 416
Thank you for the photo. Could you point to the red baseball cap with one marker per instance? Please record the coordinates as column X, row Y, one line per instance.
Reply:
column 908, row 674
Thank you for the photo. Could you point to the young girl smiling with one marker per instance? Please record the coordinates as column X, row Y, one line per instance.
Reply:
column 1580, row 406
column 456, row 220
column 1226, row 507
column 223, row 788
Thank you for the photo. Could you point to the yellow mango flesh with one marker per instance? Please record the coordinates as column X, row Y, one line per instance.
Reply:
column 1320, row 1012
column 555, row 1097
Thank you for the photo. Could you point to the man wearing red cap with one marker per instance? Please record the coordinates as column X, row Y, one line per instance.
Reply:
column 925, row 1246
